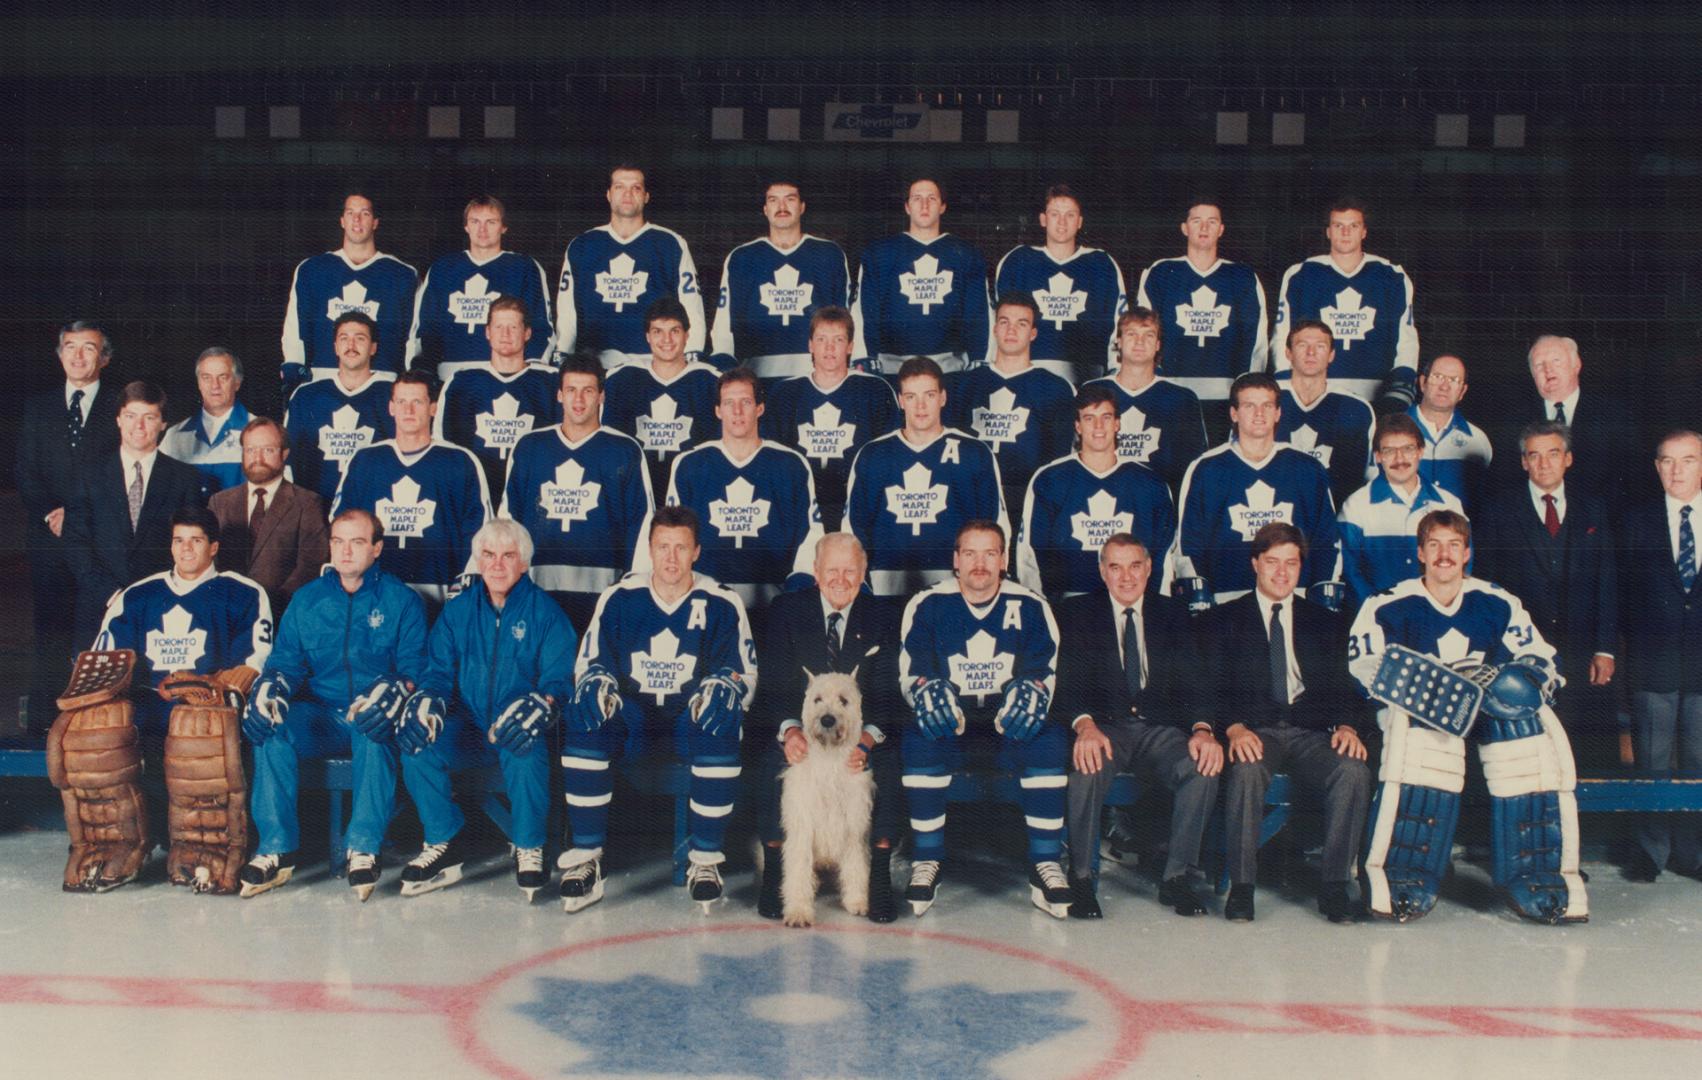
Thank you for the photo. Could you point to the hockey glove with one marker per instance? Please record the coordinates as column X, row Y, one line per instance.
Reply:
column 374, row 712
column 1397, row 393
column 420, row 722
column 1194, row 592
column 1023, row 710
column 1515, row 690
column 937, row 713
column 267, row 707
column 521, row 721
column 293, row 376
column 206, row 691
column 1327, row 594
column 719, row 704
column 595, row 701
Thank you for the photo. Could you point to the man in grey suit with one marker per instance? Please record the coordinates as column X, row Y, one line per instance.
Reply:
column 274, row 532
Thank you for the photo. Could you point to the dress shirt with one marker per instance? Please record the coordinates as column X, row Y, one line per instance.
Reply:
column 1673, row 507
column 271, row 490
column 88, row 401
column 1559, row 494
column 1295, row 686
column 129, row 460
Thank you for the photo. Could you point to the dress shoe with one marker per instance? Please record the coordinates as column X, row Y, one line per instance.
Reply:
column 1641, row 868
column 1083, row 903
column 1238, row 907
column 1178, row 892
column 1334, row 902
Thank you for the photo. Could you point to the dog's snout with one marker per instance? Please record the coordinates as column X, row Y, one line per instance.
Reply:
column 829, row 721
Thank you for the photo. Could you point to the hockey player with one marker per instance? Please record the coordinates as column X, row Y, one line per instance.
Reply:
column 1379, row 522
column 922, row 292
column 1213, row 311
column 1456, row 454
column 582, row 493
column 978, row 665
column 1448, row 623
column 329, row 419
column 1335, row 428
column 452, row 307
column 1021, row 411
column 488, row 407
column 1079, row 289
column 1076, row 503
column 429, row 496
column 211, row 439
column 667, row 402
column 612, row 275
column 668, row 665
column 351, row 646
column 912, row 490
column 770, row 286
column 356, row 277
column 829, row 414
column 499, row 667
column 1163, row 426
column 1365, row 300
column 1235, row 488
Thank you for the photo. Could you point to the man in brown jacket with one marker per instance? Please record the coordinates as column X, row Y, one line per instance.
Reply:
column 274, row 531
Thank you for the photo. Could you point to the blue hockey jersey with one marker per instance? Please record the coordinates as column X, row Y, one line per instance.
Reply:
column 828, row 427
column 979, row 649
column 220, row 620
column 327, row 286
column 430, row 503
column 917, row 298
column 606, row 287
column 906, row 503
column 1080, row 300
column 767, row 297
column 486, row 412
column 1069, row 512
column 1214, row 323
column 327, row 424
column 1487, row 625
column 1336, row 430
column 1226, row 499
column 1369, row 312
column 483, row 657
column 1027, row 419
column 1379, row 535
column 454, row 301
column 333, row 644
column 218, row 454
column 584, row 504
column 1161, row 427
column 1456, row 457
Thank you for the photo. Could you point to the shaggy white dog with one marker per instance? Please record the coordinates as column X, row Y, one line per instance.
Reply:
column 825, row 807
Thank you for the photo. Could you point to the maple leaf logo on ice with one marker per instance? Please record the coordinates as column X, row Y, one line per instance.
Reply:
column 339, row 439
column 1455, row 649
column 353, row 299
column 569, row 498
column 1100, row 521
column 824, row 436
column 1202, row 316
column 919, row 501
column 622, row 283
column 740, row 514
column 662, row 671
column 1304, row 438
column 1260, row 509
column 980, row 670
column 786, row 296
column 926, row 284
column 175, row 646
column 1060, row 302
column 1136, row 441
column 470, row 305
column 664, row 431
column 404, row 514
column 1001, row 420
column 502, row 427
column 1349, row 320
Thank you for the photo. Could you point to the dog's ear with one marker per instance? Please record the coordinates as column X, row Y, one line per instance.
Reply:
column 854, row 672
column 809, row 676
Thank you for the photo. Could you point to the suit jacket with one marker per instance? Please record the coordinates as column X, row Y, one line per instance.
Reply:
column 1661, row 621
column 48, row 470
column 1610, row 453
column 1090, row 664
column 796, row 641
column 1238, row 647
column 291, row 548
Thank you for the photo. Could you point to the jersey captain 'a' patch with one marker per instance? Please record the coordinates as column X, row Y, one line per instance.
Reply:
column 786, row 296
column 470, row 305
column 1060, row 301
column 404, row 514
column 925, row 284
column 1259, row 509
column 176, row 645
column 622, row 283
column 662, row 670
column 980, row 669
column 918, row 501
column 1348, row 318
column 1202, row 316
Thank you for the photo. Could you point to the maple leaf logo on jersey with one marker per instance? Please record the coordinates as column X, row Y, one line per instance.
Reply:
column 1060, row 301
column 175, row 646
column 353, row 299
column 622, row 283
column 663, row 671
column 1349, row 320
column 664, row 431
column 919, row 501
column 339, row 439
column 740, row 514
column 1100, row 521
column 502, row 427
column 1202, row 316
column 470, row 305
column 569, row 498
column 980, row 670
column 824, row 436
column 1455, row 650
column 786, row 296
column 1136, row 441
column 1305, row 439
column 925, row 285
column 1001, row 420
column 1260, row 509
column 404, row 514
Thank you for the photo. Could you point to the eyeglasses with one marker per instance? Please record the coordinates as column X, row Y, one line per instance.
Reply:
column 1446, row 380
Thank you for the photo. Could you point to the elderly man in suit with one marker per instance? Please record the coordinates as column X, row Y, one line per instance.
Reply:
column 1126, row 678
column 274, row 531
column 836, row 625
column 1603, row 428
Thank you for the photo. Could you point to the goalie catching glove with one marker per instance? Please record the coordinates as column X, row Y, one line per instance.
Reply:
column 521, row 721
column 936, row 708
column 719, row 704
column 1516, row 689
column 420, row 721
column 376, row 711
column 595, row 701
column 1023, row 710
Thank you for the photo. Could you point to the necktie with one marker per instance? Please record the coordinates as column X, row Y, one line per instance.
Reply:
column 1279, row 658
column 1132, row 652
column 258, row 514
column 136, row 496
column 1560, row 411
column 1686, row 550
column 74, row 419
column 1550, row 516
column 833, row 638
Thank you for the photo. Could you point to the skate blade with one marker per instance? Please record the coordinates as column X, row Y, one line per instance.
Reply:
column 363, row 892
column 571, row 904
column 441, row 880
column 530, row 891
column 280, row 878
column 1037, row 897
column 919, row 908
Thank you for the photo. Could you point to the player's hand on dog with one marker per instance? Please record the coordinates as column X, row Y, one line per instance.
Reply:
column 858, row 759
column 1244, row 745
column 1092, row 749
column 1206, row 751
column 797, row 747
column 1345, row 740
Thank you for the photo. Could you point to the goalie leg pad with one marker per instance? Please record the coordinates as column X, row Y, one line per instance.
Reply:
column 94, row 757
column 1413, row 817
column 207, row 796
column 1534, row 817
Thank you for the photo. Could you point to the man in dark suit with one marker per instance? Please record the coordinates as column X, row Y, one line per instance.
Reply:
column 1552, row 548
column 1661, row 614
column 274, row 532
column 835, row 625
column 1126, row 677
column 1280, row 664
column 1604, row 433
column 118, row 522
column 62, row 432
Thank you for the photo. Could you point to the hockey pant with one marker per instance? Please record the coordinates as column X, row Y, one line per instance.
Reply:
column 1528, row 767
column 586, row 757
column 462, row 745
column 1041, row 764
column 1413, row 815
column 316, row 730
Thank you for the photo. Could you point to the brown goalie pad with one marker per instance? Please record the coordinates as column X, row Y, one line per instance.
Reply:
column 208, row 798
column 94, row 758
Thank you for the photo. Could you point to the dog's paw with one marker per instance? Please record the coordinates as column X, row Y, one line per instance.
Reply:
column 857, row 905
column 801, row 916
